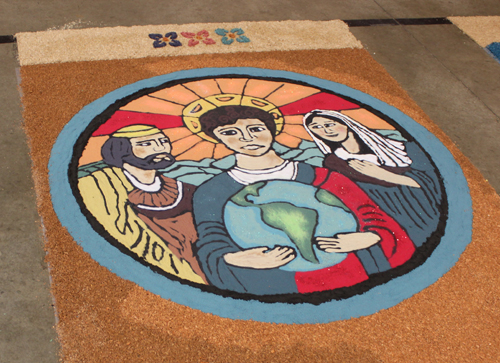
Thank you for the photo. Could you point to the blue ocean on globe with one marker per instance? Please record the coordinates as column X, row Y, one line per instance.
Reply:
column 288, row 213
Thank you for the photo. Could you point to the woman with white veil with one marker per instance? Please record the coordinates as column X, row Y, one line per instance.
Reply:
column 396, row 175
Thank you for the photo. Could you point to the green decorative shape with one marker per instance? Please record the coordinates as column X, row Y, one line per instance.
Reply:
column 240, row 198
column 88, row 169
column 328, row 198
column 297, row 223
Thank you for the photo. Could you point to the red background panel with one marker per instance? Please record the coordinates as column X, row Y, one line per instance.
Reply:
column 126, row 118
column 323, row 101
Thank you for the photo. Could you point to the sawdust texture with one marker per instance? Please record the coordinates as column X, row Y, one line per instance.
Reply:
column 75, row 45
column 484, row 30
column 103, row 318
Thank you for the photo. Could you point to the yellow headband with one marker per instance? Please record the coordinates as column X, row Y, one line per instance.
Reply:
column 130, row 132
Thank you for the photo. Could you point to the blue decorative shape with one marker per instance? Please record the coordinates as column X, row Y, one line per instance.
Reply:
column 457, row 234
column 159, row 40
column 225, row 163
column 494, row 50
column 228, row 40
column 173, row 39
column 237, row 31
column 221, row 32
column 242, row 39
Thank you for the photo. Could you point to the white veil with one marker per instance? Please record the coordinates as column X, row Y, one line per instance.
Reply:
column 389, row 152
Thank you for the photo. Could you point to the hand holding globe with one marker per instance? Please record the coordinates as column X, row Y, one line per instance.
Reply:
column 261, row 257
column 347, row 242
column 292, row 226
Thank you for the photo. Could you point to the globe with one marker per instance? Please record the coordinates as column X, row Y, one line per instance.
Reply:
column 288, row 213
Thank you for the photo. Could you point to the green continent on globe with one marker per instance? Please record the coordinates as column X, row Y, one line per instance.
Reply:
column 297, row 223
column 328, row 198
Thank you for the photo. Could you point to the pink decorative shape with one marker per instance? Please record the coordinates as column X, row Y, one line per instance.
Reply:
column 194, row 39
column 187, row 35
column 203, row 33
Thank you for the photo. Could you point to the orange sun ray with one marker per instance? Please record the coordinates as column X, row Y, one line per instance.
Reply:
column 297, row 131
column 221, row 151
column 294, row 120
column 200, row 151
column 177, row 94
column 204, row 88
column 260, row 89
column 92, row 152
column 290, row 93
column 153, row 105
column 232, row 85
column 180, row 146
column 177, row 133
column 288, row 140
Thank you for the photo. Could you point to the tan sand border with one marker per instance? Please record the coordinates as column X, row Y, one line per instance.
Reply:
column 74, row 45
column 484, row 30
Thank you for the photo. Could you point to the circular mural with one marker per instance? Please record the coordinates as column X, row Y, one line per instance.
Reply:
column 259, row 194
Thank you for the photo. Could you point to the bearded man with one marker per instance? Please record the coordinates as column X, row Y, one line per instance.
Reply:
column 147, row 213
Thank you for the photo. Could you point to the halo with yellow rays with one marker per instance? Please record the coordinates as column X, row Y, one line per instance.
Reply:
column 181, row 105
column 192, row 112
column 189, row 100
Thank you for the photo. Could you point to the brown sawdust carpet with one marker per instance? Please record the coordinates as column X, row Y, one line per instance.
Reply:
column 103, row 318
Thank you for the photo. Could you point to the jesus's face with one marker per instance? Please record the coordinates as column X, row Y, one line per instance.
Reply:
column 247, row 136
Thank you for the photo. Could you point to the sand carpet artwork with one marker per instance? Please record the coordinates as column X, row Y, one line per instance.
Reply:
column 254, row 191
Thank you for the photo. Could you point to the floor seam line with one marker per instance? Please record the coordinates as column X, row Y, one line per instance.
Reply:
column 451, row 72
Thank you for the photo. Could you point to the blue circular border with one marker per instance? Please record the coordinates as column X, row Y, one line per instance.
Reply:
column 458, row 231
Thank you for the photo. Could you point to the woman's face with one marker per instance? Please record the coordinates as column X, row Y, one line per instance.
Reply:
column 328, row 129
column 247, row 136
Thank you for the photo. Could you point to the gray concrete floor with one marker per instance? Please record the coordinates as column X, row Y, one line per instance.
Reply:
column 451, row 78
